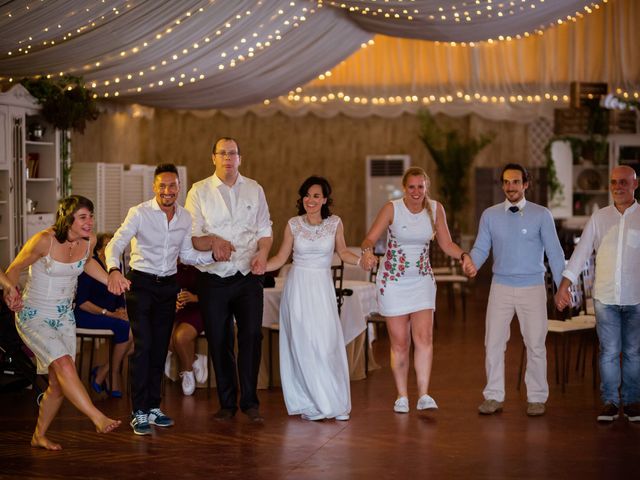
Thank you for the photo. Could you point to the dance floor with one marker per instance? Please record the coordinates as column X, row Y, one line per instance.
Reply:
column 453, row 442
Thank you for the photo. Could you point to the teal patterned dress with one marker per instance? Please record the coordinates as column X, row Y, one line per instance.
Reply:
column 46, row 323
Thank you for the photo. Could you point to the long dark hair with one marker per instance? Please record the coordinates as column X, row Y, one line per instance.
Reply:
column 101, row 240
column 325, row 212
column 67, row 207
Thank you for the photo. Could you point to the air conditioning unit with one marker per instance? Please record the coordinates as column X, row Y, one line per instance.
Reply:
column 383, row 183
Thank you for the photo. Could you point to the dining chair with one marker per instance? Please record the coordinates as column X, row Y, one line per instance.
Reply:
column 447, row 275
column 95, row 336
column 374, row 319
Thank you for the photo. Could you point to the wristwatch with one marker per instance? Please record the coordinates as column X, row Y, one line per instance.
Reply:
column 114, row 268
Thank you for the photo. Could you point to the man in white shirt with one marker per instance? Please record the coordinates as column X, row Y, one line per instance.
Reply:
column 159, row 231
column 614, row 233
column 231, row 218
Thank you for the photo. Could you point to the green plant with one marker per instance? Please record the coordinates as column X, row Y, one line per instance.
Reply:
column 453, row 153
column 66, row 103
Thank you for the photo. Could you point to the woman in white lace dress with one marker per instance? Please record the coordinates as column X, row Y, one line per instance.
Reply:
column 55, row 258
column 313, row 360
column 406, row 287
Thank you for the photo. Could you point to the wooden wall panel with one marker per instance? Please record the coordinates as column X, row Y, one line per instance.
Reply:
column 280, row 152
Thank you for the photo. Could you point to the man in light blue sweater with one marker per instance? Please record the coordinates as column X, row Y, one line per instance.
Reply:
column 520, row 233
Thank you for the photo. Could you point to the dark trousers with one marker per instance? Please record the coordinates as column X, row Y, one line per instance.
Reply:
column 151, row 306
column 222, row 299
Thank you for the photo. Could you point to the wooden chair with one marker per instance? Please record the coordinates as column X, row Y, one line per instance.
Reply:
column 374, row 318
column 93, row 335
column 563, row 326
column 448, row 275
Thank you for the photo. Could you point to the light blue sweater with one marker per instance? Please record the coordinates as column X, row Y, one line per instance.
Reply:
column 519, row 241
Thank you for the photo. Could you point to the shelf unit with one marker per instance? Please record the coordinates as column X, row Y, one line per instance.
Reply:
column 29, row 171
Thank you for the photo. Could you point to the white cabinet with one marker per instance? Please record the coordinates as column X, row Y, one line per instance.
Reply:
column 29, row 169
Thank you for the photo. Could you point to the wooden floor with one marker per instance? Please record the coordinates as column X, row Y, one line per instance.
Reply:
column 454, row 442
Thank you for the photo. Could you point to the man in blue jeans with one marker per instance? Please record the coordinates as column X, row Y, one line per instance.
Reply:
column 614, row 233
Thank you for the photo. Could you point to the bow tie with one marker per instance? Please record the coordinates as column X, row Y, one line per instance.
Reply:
column 513, row 209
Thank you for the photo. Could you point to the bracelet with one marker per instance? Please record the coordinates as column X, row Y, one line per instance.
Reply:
column 104, row 311
column 365, row 250
column 114, row 268
column 462, row 255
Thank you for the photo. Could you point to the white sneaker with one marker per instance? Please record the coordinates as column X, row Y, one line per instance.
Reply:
column 167, row 367
column 201, row 368
column 426, row 403
column 342, row 418
column 401, row 405
column 188, row 383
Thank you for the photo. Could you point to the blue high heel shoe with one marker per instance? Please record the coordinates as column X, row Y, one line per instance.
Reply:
column 96, row 386
column 116, row 394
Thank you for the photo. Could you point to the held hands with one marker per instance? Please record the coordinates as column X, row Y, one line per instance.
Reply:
column 184, row 297
column 222, row 249
column 259, row 264
column 120, row 313
column 368, row 260
column 468, row 267
column 117, row 284
column 13, row 299
column 562, row 298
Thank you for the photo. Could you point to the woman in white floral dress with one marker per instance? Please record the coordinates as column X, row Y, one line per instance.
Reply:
column 55, row 258
column 406, row 287
column 313, row 362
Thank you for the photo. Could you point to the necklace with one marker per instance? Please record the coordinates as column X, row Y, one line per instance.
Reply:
column 71, row 245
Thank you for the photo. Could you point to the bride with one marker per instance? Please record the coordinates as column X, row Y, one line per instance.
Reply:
column 313, row 360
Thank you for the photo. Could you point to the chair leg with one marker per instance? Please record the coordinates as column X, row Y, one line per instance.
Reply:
column 93, row 347
column 110, row 345
column 366, row 349
column 463, row 296
column 270, row 358
column 81, row 359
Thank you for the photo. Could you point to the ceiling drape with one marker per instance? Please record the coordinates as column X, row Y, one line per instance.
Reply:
column 511, row 58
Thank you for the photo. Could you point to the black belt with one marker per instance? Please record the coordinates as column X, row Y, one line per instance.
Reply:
column 156, row 278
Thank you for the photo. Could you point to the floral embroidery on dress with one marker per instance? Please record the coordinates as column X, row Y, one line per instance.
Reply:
column 54, row 323
column 313, row 232
column 424, row 265
column 27, row 313
column 394, row 264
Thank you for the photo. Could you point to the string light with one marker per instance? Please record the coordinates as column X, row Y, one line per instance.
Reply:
column 463, row 11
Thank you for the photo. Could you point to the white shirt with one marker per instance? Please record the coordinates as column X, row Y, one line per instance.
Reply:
column 155, row 242
column 238, row 214
column 616, row 239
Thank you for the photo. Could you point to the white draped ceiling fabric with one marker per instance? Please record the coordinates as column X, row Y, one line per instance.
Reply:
column 499, row 58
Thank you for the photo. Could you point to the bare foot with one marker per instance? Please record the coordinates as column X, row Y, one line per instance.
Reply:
column 44, row 442
column 107, row 425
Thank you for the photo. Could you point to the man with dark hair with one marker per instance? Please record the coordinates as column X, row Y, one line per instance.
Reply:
column 231, row 218
column 614, row 233
column 159, row 231
column 519, row 233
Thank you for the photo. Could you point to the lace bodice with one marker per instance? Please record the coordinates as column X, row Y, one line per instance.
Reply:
column 313, row 245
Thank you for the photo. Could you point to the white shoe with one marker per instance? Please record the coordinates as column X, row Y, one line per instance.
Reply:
column 167, row 367
column 200, row 368
column 188, row 383
column 401, row 405
column 426, row 403
column 342, row 418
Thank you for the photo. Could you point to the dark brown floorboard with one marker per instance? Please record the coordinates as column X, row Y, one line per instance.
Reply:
column 454, row 442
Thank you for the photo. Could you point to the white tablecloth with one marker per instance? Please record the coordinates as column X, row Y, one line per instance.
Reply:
column 354, row 309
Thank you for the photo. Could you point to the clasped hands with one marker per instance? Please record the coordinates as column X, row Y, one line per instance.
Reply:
column 13, row 299
column 562, row 298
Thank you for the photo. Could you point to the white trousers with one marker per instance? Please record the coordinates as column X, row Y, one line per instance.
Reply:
column 530, row 306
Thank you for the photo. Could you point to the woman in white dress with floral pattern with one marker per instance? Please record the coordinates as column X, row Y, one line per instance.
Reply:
column 406, row 287
column 56, row 257
column 313, row 361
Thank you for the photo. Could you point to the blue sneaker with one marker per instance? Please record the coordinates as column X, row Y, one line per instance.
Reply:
column 159, row 419
column 140, row 423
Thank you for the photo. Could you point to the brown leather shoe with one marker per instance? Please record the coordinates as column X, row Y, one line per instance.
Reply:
column 490, row 406
column 224, row 414
column 535, row 409
column 254, row 415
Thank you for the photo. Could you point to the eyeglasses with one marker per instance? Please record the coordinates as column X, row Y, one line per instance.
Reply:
column 231, row 154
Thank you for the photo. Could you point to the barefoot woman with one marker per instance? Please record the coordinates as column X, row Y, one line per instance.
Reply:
column 55, row 257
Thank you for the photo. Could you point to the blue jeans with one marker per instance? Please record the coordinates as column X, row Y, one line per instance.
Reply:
column 618, row 329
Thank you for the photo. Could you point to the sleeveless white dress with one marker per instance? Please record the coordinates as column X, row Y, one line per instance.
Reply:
column 46, row 323
column 405, row 281
column 313, row 360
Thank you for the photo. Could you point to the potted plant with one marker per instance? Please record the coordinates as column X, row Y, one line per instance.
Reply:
column 453, row 153
column 67, row 105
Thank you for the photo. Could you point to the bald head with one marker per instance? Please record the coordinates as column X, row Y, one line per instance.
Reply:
column 622, row 186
